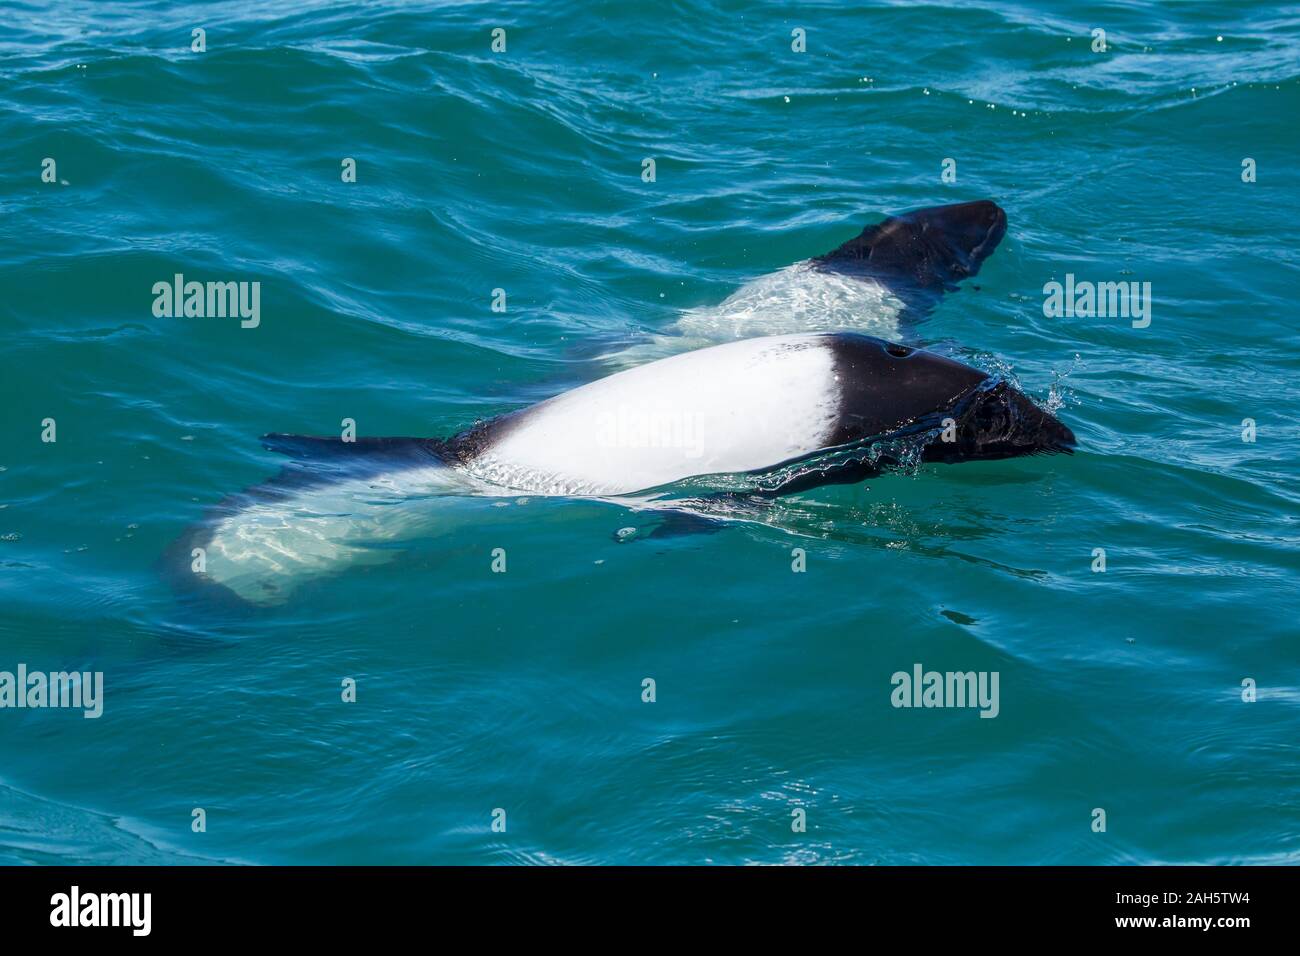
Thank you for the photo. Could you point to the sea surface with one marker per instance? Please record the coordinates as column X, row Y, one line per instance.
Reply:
column 1163, row 692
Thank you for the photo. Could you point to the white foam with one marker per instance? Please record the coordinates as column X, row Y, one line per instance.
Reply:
column 798, row 298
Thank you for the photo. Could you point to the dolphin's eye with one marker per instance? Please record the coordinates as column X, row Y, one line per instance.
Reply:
column 901, row 351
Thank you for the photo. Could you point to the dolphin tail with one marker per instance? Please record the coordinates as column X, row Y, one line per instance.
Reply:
column 335, row 504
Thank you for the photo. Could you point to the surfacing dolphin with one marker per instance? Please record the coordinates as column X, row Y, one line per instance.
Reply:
column 796, row 411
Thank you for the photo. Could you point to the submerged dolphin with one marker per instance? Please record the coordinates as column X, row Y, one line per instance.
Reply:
column 893, row 269
column 800, row 410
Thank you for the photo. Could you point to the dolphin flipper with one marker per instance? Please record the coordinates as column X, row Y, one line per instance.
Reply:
column 673, row 523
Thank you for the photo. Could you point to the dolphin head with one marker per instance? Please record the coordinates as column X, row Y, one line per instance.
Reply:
column 995, row 420
column 928, row 249
column 887, row 389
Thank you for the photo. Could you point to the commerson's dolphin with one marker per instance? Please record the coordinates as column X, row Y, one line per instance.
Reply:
column 770, row 415
column 795, row 411
column 893, row 271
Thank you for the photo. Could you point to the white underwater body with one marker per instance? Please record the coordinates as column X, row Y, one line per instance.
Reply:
column 798, row 298
column 265, row 548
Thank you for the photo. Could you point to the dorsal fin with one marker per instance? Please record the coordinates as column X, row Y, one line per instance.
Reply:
column 928, row 250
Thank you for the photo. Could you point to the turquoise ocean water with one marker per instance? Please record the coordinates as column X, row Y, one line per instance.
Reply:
column 1120, row 691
